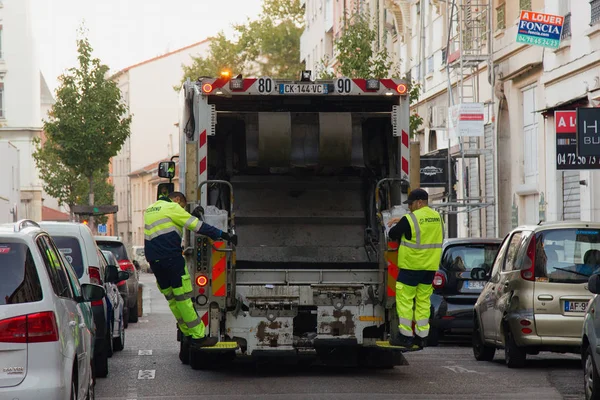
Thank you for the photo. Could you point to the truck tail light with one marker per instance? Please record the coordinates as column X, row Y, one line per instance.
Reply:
column 201, row 280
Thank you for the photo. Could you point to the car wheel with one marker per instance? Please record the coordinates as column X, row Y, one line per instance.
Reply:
column 109, row 343
column 133, row 312
column 125, row 316
column 119, row 342
column 514, row 355
column 481, row 351
column 590, row 376
column 101, row 363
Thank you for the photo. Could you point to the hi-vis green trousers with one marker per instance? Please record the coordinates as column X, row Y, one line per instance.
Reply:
column 413, row 301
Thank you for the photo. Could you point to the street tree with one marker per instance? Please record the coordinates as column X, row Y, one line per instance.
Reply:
column 88, row 123
column 268, row 45
column 361, row 53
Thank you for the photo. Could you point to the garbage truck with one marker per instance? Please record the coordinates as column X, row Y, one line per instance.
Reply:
column 306, row 173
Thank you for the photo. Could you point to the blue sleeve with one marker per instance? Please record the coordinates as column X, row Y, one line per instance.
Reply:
column 210, row 231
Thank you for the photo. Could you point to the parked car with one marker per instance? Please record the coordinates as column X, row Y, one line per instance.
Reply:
column 590, row 343
column 77, row 243
column 536, row 297
column 46, row 327
column 116, row 246
column 117, row 304
column 455, row 291
column 140, row 256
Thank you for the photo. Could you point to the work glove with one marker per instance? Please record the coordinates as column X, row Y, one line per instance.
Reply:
column 230, row 238
column 198, row 213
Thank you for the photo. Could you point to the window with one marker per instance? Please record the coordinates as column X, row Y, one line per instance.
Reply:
column 513, row 250
column 530, row 135
column 20, row 282
column 501, row 17
column 71, row 248
column 566, row 32
column 467, row 257
column 595, row 6
column 432, row 144
column 525, row 5
column 444, row 56
column 117, row 248
column 58, row 276
column 430, row 65
column 75, row 286
column 567, row 255
column 1, row 42
column 2, row 113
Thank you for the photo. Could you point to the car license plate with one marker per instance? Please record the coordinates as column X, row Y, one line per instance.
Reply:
column 475, row 285
column 575, row 306
column 302, row 88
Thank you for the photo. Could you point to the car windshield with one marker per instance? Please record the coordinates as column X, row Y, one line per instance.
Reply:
column 110, row 257
column 20, row 282
column 465, row 257
column 567, row 255
column 117, row 248
column 70, row 247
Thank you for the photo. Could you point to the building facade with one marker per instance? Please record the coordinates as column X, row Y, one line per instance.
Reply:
column 24, row 96
column 148, row 90
column 144, row 185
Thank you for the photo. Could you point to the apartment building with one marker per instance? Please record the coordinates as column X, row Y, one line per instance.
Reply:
column 147, row 89
column 316, row 42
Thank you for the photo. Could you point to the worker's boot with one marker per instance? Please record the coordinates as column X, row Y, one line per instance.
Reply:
column 206, row 341
column 401, row 341
column 421, row 342
column 184, row 349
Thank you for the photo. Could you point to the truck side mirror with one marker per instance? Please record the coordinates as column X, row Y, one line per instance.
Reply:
column 166, row 169
column 164, row 189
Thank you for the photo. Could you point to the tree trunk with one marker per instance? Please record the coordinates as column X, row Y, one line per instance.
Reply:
column 71, row 214
column 91, row 203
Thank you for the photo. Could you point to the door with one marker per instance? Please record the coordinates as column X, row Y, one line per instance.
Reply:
column 66, row 306
column 563, row 268
column 19, row 288
column 487, row 299
column 508, row 278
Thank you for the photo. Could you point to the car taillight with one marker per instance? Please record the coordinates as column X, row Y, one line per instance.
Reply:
column 439, row 280
column 528, row 273
column 95, row 276
column 126, row 265
column 31, row 328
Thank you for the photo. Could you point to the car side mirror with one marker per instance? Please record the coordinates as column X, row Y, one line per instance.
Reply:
column 164, row 189
column 92, row 292
column 136, row 264
column 122, row 276
column 166, row 169
column 479, row 274
column 594, row 284
column 112, row 274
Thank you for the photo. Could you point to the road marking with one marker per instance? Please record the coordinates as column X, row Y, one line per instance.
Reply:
column 143, row 320
column 460, row 370
column 146, row 373
column 144, row 352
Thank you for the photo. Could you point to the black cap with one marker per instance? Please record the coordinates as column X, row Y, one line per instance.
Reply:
column 417, row 194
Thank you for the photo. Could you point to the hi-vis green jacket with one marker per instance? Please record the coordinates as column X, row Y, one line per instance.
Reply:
column 164, row 222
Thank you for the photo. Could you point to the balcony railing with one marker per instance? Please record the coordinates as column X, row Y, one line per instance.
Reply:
column 595, row 6
column 566, row 30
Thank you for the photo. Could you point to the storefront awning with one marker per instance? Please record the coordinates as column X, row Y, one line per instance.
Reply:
column 579, row 100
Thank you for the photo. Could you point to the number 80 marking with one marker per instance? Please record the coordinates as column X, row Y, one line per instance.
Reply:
column 265, row 85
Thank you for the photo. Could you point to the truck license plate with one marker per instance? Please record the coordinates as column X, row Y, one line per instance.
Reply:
column 575, row 306
column 301, row 88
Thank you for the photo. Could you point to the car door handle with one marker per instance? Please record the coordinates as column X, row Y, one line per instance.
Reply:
column 82, row 325
column 545, row 297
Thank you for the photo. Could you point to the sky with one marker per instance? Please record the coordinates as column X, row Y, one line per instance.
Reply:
column 125, row 32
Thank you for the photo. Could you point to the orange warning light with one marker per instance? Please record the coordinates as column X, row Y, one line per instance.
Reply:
column 207, row 88
column 402, row 88
column 201, row 280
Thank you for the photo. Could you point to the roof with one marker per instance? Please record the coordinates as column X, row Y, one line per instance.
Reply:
column 458, row 241
column 50, row 214
column 124, row 70
column 559, row 224
column 151, row 167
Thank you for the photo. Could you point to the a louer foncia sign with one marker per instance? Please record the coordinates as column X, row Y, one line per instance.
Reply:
column 540, row 29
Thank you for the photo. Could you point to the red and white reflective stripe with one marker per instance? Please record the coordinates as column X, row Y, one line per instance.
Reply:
column 202, row 157
column 204, row 319
column 388, row 83
column 405, row 151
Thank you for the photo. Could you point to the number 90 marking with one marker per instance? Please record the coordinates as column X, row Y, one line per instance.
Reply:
column 343, row 85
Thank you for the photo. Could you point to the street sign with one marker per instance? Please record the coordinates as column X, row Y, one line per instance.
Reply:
column 565, row 126
column 102, row 229
column 466, row 119
column 588, row 133
column 540, row 29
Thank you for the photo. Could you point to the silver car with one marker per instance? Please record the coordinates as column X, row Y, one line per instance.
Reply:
column 46, row 325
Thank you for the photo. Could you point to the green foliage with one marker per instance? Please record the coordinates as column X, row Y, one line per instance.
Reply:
column 87, row 126
column 268, row 45
column 359, row 56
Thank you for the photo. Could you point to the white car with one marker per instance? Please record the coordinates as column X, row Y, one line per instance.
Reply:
column 46, row 325
column 77, row 243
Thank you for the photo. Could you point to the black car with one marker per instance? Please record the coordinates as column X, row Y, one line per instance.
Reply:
column 455, row 292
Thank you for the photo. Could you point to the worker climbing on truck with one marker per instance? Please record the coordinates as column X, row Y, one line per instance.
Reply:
column 164, row 223
column 420, row 233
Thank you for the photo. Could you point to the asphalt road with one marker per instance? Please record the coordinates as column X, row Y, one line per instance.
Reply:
column 149, row 368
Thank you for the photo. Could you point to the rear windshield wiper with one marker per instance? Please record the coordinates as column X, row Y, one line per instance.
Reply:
column 573, row 272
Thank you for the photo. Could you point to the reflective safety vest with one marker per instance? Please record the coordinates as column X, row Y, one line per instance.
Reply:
column 164, row 222
column 423, row 251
